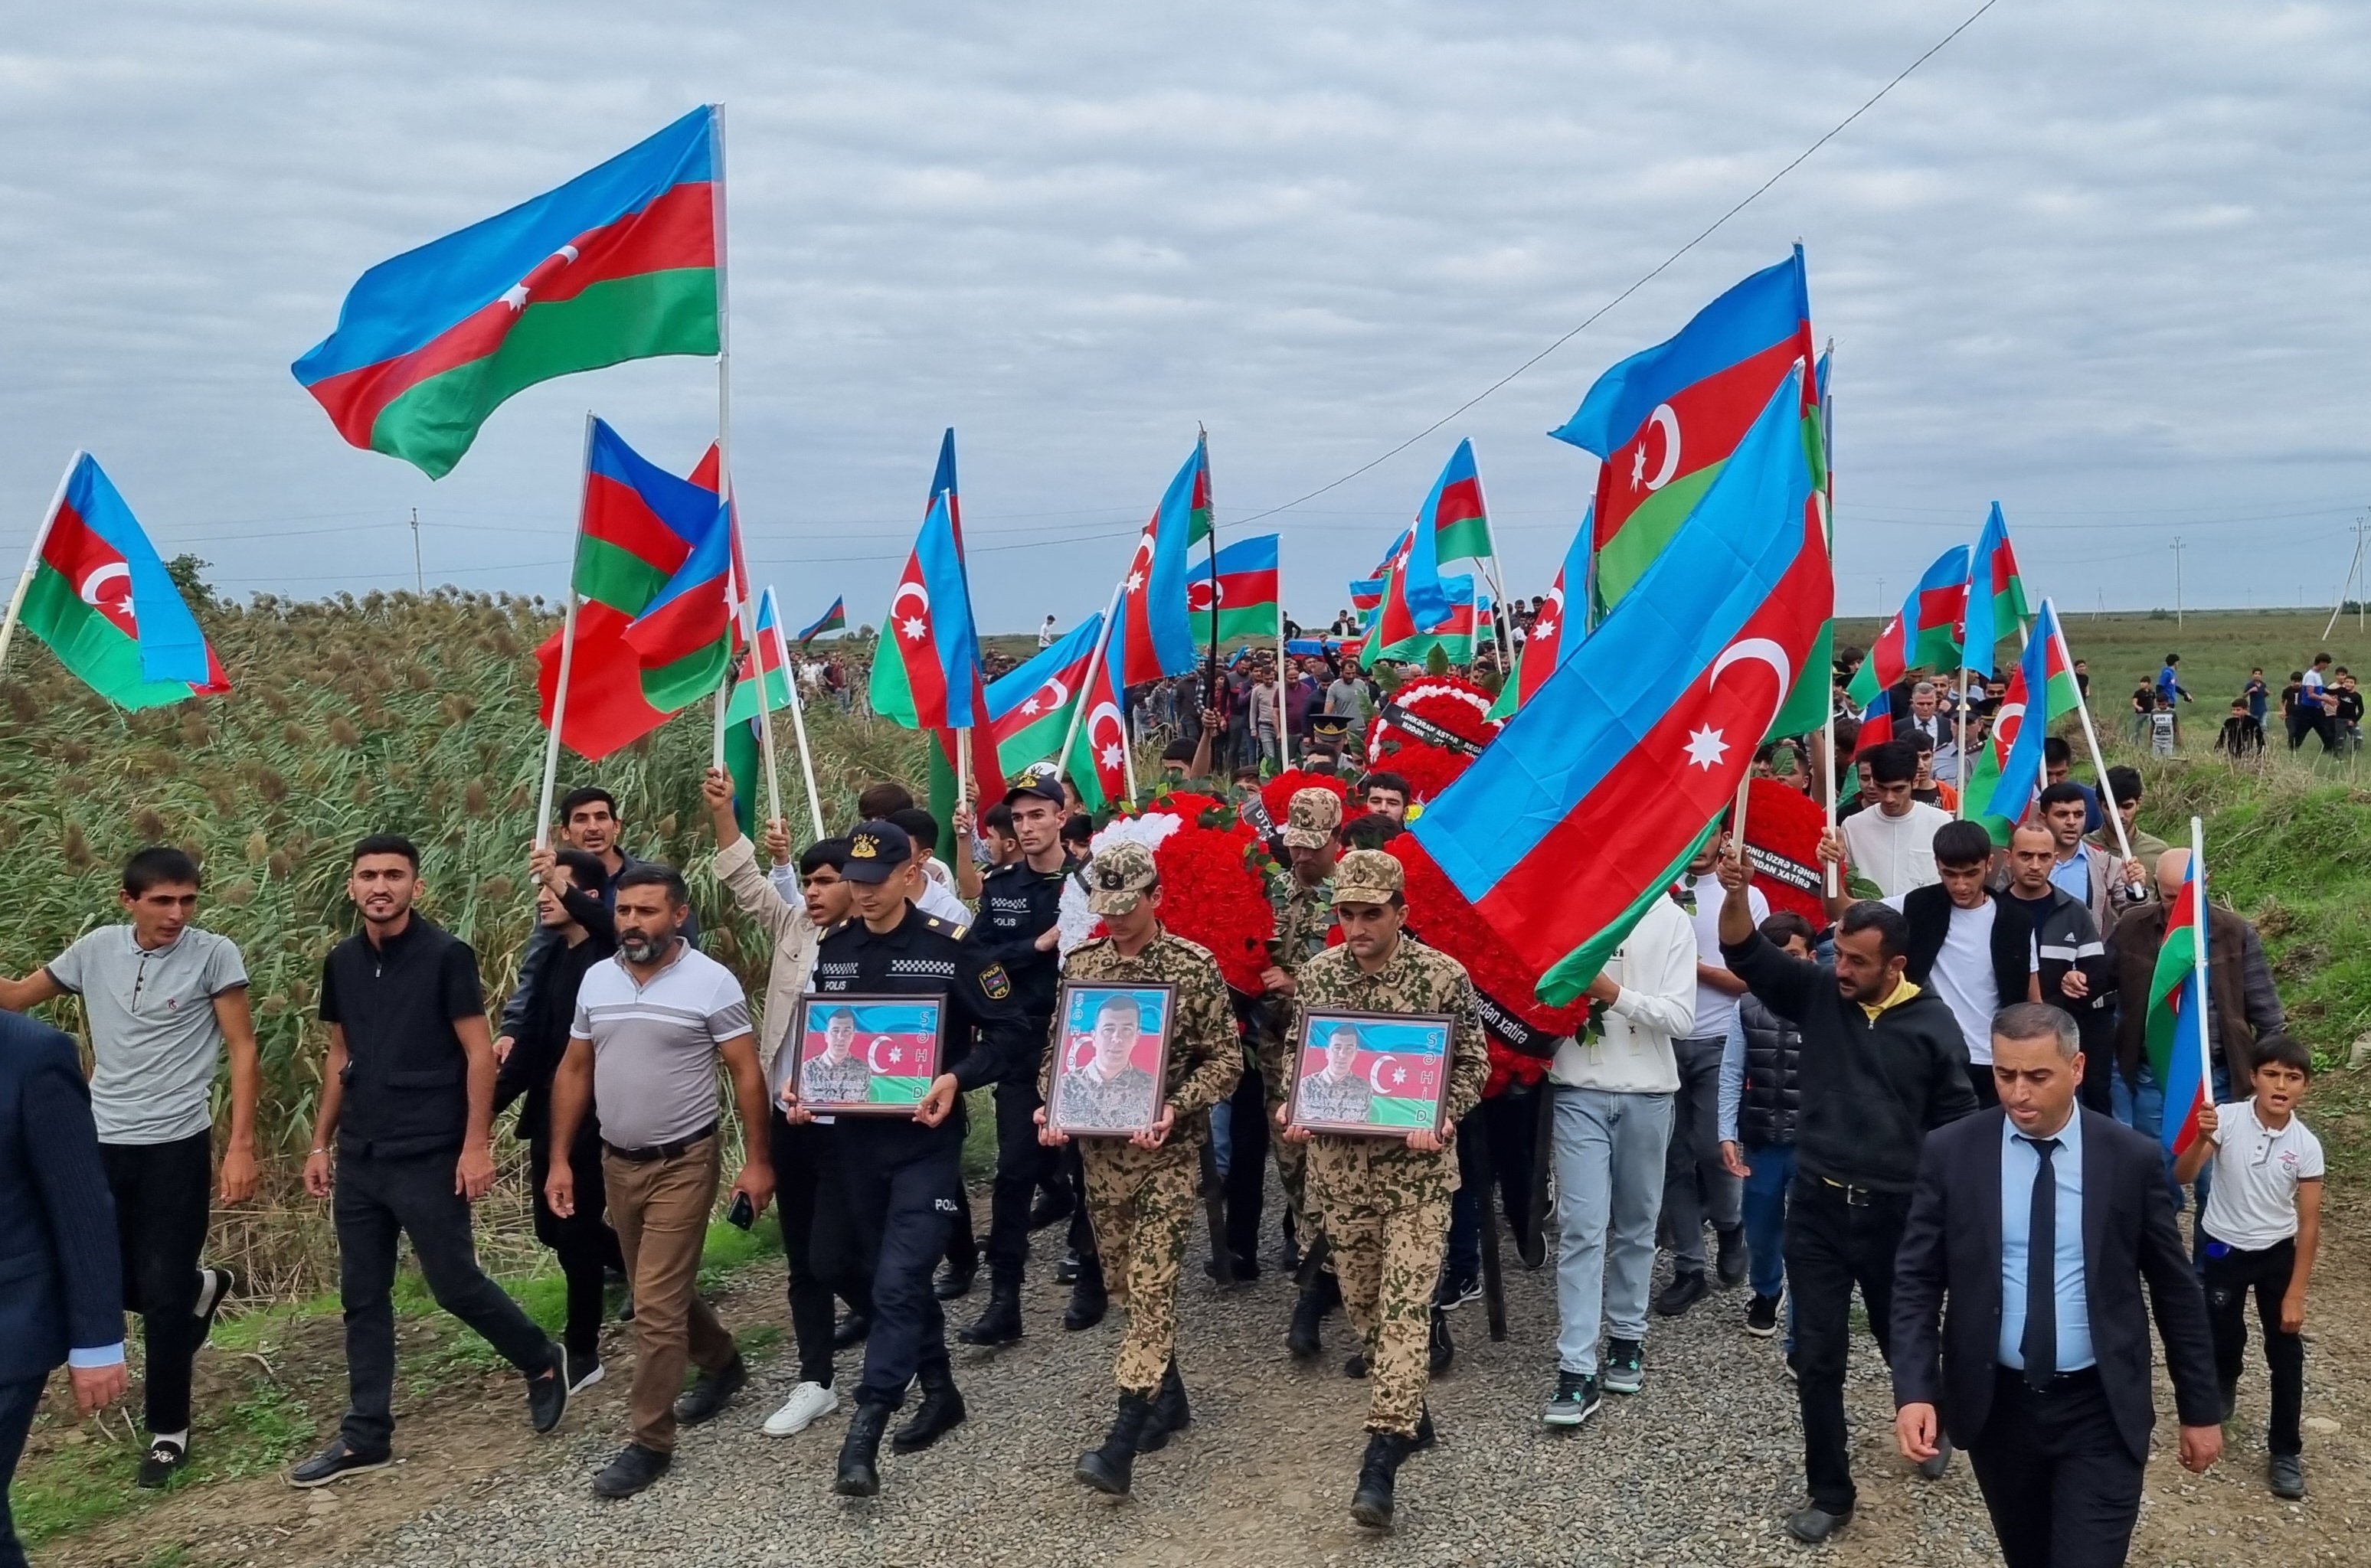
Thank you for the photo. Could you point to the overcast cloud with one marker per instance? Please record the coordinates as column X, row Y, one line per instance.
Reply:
column 2104, row 263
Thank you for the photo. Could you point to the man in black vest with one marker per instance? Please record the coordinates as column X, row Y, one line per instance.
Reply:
column 409, row 1095
column 1973, row 949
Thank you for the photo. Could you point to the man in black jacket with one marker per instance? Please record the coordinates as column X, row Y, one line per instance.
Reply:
column 1882, row 1064
column 2040, row 1221
column 1973, row 949
column 2076, row 972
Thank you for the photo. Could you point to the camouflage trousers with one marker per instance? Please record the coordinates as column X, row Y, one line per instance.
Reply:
column 1388, row 1260
column 1291, row 1158
column 1140, row 1202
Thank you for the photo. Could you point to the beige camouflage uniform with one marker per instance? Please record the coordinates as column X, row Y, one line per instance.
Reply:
column 1385, row 1206
column 1304, row 916
column 1141, row 1201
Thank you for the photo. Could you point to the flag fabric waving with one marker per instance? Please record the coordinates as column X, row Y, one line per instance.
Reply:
column 1246, row 592
column 832, row 619
column 1630, row 751
column 686, row 636
column 1553, row 637
column 929, row 679
column 1666, row 419
column 1398, row 634
column 2007, row 771
column 103, row 602
column 2178, row 1011
column 1450, row 526
column 1029, row 708
column 1995, row 595
column 1924, row 634
column 764, row 671
column 1159, row 636
column 618, row 264
column 639, row 526
column 1097, row 761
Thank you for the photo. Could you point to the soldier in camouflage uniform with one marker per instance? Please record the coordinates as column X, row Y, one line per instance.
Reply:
column 838, row 1077
column 1142, row 1190
column 1302, row 896
column 1384, row 1202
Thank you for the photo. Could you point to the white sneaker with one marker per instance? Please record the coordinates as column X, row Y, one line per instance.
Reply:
column 808, row 1403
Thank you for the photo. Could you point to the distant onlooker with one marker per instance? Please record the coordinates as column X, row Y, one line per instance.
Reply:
column 2346, row 712
column 2257, row 697
column 2313, row 709
column 1046, row 633
column 2168, row 682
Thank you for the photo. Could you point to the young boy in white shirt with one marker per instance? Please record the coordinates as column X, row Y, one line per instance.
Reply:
column 2260, row 1228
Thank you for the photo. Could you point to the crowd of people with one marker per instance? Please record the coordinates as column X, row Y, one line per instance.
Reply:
column 1937, row 1095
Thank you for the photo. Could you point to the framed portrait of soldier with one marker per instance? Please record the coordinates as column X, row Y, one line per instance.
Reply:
column 866, row 1055
column 1383, row 1075
column 1111, row 1057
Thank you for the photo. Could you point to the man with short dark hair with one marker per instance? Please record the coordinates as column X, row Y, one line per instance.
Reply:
column 1883, row 1065
column 2105, row 883
column 2057, row 767
column 2124, row 792
column 1970, row 946
column 2074, row 972
column 1386, row 794
column 1892, row 844
column 164, row 1001
column 408, row 1095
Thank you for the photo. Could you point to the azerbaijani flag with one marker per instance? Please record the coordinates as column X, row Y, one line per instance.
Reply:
column 2178, row 1007
column 103, row 602
column 1152, row 604
column 618, row 264
column 1097, row 761
column 832, row 619
column 1246, row 592
column 1553, row 638
column 640, row 526
column 1403, row 1064
column 1876, row 724
column 1367, row 593
column 1996, row 593
column 1397, row 634
column 1628, row 753
column 764, row 669
column 1924, row 634
column 1029, row 708
column 926, row 674
column 2007, row 771
column 1450, row 526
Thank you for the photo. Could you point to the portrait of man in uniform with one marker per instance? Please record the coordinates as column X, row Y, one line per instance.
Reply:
column 1115, row 1046
column 1336, row 1093
column 862, row 1055
column 1370, row 1072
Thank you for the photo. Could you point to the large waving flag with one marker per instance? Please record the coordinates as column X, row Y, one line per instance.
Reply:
column 1996, row 593
column 103, row 602
column 1029, row 708
column 1924, row 633
column 1097, row 761
column 926, row 674
column 1396, row 633
column 832, row 619
column 2178, row 1011
column 1666, row 419
column 2007, row 772
column 618, row 264
column 641, row 528
column 1160, row 639
column 1628, row 753
column 1555, row 636
column 1451, row 524
column 1244, row 591
column 1367, row 593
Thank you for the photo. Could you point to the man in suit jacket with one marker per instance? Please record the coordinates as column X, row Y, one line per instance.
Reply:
column 2040, row 1220
column 60, row 1280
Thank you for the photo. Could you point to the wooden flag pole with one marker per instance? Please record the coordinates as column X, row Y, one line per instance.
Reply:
column 33, row 558
column 567, row 651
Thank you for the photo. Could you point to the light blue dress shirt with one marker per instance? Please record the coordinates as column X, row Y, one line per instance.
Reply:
column 2073, row 877
column 2019, row 1165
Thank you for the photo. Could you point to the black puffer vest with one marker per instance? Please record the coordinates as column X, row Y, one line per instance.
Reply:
column 1774, row 1049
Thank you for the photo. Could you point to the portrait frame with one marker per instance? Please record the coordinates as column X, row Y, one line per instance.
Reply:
column 1076, row 1011
column 892, row 1082
column 1388, row 1042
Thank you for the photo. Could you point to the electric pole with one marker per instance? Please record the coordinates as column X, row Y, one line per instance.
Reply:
column 2177, row 582
column 419, row 577
column 1880, row 603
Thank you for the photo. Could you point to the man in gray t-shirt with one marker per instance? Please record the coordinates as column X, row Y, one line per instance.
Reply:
column 163, row 999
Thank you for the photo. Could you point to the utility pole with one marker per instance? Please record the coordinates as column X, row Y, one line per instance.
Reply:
column 419, row 577
column 1880, row 603
column 2347, row 588
column 2177, row 582
column 2361, row 525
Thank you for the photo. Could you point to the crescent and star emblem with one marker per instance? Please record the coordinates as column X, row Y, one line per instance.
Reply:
column 1670, row 425
column 1707, row 747
column 1375, row 1074
column 916, row 627
column 1112, row 754
column 107, row 586
column 2005, row 725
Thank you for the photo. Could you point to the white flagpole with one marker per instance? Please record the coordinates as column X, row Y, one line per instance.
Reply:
column 1959, row 796
column 33, row 558
column 1095, row 664
column 2198, row 950
column 2090, row 737
column 567, row 651
column 799, row 724
column 1828, row 880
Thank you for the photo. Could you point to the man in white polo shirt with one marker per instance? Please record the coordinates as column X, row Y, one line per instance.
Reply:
column 162, row 999
column 651, row 1025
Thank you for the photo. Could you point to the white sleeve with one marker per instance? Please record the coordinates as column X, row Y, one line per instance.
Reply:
column 1658, row 973
column 2309, row 1162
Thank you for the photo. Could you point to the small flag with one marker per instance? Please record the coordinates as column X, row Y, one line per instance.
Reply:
column 1246, row 592
column 2007, row 771
column 1553, row 637
column 764, row 668
column 832, row 619
column 1996, row 593
column 2178, row 1008
column 1924, row 633
column 1397, row 634
column 927, row 674
column 1451, row 524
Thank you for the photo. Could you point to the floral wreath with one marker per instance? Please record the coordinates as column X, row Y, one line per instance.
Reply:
column 1444, row 706
column 1213, row 882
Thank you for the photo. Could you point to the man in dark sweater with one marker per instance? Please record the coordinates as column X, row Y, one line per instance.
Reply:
column 1882, row 1064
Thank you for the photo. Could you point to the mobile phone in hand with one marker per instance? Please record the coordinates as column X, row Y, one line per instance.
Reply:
column 742, row 1214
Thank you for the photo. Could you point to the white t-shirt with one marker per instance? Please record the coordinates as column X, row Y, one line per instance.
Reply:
column 937, row 898
column 1715, row 1008
column 2252, row 1205
column 1896, row 853
column 1963, row 974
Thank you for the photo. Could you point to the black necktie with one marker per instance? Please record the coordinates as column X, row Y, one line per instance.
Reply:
column 2041, row 1345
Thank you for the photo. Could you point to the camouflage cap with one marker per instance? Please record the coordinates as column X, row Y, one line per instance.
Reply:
column 1310, row 819
column 1367, row 876
column 1118, row 876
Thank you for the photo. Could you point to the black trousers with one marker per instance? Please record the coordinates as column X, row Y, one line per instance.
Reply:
column 18, row 1402
column 587, row 1249
column 890, row 1200
column 1246, row 1183
column 800, row 1156
column 376, row 1200
column 1022, row 1164
column 1835, row 1242
column 2062, row 1487
column 2230, row 1274
column 164, row 1194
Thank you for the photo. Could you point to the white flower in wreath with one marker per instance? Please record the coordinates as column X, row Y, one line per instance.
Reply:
column 1076, row 920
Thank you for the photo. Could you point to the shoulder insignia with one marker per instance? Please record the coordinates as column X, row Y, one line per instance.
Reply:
column 995, row 982
column 955, row 931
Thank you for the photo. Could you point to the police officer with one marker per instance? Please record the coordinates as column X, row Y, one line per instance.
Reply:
column 1383, row 1204
column 1018, row 906
column 1302, row 897
column 890, row 1192
column 1141, row 1189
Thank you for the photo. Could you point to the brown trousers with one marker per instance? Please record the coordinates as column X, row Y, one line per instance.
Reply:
column 660, row 1211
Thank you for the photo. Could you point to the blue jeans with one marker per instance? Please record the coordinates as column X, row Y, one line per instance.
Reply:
column 1765, row 1216
column 1608, row 1152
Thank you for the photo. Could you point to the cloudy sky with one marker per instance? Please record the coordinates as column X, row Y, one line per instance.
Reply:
column 2105, row 263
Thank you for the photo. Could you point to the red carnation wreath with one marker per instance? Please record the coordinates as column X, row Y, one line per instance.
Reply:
column 1214, row 884
column 1277, row 794
column 1782, row 841
column 1428, row 731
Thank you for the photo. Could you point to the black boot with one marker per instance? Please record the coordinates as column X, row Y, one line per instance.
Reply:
column 1371, row 1504
column 1443, row 1349
column 1112, row 1467
column 941, row 1411
column 1089, row 1300
column 954, row 1279
column 860, row 1452
column 1000, row 1324
column 1170, row 1411
column 1303, row 1338
column 1424, row 1435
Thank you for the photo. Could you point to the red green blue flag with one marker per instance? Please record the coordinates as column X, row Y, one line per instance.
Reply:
column 1628, row 755
column 1996, row 593
column 2007, row 771
column 1160, row 639
column 1029, row 708
column 2178, row 1011
column 1244, row 590
column 1924, row 633
column 1554, row 637
column 927, row 676
column 1097, row 761
column 1398, row 633
column 618, row 264
column 832, row 619
column 103, row 602
column 1453, row 524
column 764, row 671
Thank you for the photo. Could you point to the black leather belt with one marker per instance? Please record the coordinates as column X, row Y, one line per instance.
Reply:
column 660, row 1151
column 1854, row 1197
column 2063, row 1383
